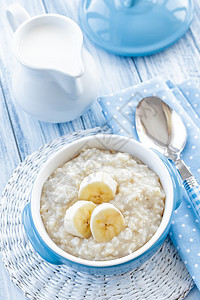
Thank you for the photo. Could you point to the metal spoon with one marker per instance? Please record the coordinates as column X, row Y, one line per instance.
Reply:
column 160, row 127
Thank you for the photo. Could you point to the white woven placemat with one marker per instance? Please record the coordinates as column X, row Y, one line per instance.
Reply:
column 164, row 276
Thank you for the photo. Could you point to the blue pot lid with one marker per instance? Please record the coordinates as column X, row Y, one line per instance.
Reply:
column 135, row 27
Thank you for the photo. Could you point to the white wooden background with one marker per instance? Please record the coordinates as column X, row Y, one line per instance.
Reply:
column 20, row 135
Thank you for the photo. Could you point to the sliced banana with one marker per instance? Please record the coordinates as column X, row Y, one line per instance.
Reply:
column 106, row 222
column 98, row 187
column 77, row 219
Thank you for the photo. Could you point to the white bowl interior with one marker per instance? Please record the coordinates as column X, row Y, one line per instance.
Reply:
column 107, row 142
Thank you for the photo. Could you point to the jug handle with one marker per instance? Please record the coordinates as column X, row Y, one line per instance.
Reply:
column 16, row 15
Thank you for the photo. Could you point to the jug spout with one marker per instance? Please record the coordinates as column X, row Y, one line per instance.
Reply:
column 16, row 15
column 67, row 68
column 69, row 75
column 72, row 85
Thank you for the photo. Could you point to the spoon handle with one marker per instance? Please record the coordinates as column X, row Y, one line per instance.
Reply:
column 193, row 191
column 190, row 184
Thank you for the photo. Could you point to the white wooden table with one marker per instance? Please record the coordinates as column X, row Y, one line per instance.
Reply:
column 20, row 135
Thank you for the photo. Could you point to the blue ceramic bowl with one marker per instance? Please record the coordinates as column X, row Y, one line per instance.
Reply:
column 50, row 252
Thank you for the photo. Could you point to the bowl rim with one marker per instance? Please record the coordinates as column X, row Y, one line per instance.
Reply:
column 37, row 220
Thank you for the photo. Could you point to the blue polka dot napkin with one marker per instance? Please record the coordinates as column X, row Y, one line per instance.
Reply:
column 119, row 111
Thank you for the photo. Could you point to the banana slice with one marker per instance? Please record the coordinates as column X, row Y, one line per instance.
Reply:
column 77, row 219
column 98, row 187
column 106, row 222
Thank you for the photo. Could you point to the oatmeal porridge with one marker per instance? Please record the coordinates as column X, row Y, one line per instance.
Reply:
column 139, row 197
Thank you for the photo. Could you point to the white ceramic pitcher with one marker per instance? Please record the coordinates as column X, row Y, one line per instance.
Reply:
column 56, row 78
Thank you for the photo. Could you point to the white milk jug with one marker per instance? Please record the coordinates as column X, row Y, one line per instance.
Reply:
column 56, row 78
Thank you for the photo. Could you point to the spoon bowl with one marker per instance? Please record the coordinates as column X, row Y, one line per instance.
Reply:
column 160, row 127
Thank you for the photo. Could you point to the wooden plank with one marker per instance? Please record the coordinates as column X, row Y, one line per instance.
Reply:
column 9, row 159
column 9, row 154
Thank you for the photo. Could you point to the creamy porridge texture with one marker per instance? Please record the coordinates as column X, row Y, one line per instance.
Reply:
column 140, row 198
